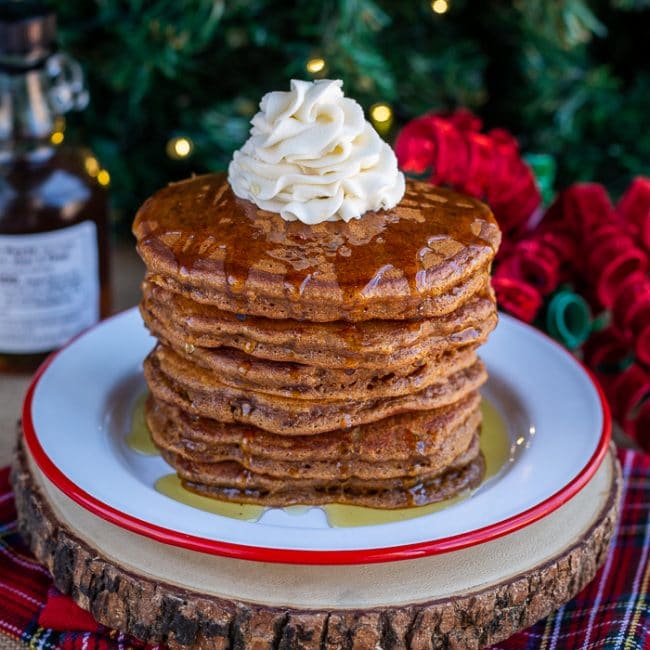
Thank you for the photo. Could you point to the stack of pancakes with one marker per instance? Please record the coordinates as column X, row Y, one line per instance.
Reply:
column 317, row 363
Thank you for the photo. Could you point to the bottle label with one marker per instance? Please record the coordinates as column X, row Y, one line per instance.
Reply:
column 49, row 287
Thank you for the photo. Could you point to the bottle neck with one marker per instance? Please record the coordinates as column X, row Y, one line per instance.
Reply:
column 32, row 101
column 27, row 115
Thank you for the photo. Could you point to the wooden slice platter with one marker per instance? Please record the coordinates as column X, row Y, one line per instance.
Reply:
column 468, row 598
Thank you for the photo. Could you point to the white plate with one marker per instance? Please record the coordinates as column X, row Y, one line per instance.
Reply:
column 77, row 412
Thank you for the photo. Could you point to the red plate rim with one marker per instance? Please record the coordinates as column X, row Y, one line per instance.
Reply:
column 314, row 557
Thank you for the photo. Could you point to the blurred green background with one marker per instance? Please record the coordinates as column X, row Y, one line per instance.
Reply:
column 174, row 83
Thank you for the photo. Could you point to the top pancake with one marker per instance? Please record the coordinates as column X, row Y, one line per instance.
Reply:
column 421, row 259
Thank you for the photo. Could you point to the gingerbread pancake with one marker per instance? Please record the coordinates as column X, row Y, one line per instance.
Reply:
column 175, row 381
column 385, row 344
column 312, row 364
column 230, row 481
column 299, row 381
column 421, row 259
column 404, row 445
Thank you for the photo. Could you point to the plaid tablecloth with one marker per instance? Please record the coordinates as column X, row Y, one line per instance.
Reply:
column 611, row 612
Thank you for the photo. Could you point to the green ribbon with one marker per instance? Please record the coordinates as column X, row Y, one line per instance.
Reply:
column 544, row 168
column 568, row 319
column 600, row 322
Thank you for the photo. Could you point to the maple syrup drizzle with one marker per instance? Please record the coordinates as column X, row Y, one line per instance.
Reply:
column 171, row 486
column 232, row 239
column 495, row 445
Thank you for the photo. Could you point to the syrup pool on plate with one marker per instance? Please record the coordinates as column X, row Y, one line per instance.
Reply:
column 139, row 437
column 170, row 485
column 495, row 445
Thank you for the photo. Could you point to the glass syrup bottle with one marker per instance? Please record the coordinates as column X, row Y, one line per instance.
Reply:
column 54, row 274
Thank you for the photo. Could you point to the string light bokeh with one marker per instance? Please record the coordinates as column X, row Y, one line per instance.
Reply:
column 179, row 147
column 92, row 166
column 381, row 116
column 103, row 177
column 316, row 66
column 440, row 6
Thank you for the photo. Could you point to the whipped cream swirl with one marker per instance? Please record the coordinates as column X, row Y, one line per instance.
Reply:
column 313, row 157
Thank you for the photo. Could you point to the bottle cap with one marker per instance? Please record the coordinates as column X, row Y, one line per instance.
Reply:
column 27, row 32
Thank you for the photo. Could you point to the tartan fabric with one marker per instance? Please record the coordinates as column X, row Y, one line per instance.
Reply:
column 612, row 612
